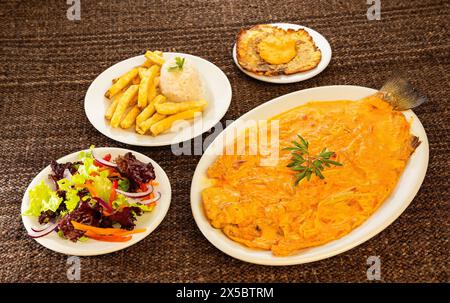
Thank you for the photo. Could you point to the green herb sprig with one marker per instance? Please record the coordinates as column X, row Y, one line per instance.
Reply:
column 305, row 164
column 179, row 62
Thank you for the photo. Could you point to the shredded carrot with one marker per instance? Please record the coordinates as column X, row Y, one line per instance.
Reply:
column 114, row 174
column 112, row 197
column 132, row 232
column 105, row 231
column 120, row 207
column 98, row 164
column 151, row 204
column 113, row 194
column 91, row 189
column 149, row 196
column 95, row 236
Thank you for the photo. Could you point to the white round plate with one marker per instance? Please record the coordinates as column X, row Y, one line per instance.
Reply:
column 149, row 220
column 320, row 42
column 407, row 187
column 217, row 93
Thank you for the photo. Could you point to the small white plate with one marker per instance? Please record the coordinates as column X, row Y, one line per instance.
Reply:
column 320, row 42
column 407, row 186
column 149, row 220
column 217, row 93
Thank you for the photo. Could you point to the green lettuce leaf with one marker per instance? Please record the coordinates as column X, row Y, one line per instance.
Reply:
column 72, row 197
column 103, row 187
column 42, row 198
column 124, row 184
column 88, row 166
column 121, row 200
column 78, row 179
column 145, row 208
column 83, row 239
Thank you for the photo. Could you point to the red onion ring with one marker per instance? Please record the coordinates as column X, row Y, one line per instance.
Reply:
column 67, row 174
column 103, row 161
column 154, row 199
column 104, row 204
column 37, row 234
column 136, row 195
column 55, row 185
column 40, row 228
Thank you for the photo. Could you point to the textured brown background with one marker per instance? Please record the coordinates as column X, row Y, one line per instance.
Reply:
column 48, row 62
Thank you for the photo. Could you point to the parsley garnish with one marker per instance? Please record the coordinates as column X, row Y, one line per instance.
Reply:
column 306, row 164
column 179, row 62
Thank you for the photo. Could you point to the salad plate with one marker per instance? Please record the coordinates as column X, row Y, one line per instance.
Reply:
column 150, row 215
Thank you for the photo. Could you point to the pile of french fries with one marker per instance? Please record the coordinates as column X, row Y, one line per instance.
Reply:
column 137, row 100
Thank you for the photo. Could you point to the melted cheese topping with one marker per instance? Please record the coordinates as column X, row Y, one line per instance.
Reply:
column 277, row 49
column 259, row 207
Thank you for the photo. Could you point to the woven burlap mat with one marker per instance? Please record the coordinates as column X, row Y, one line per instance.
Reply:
column 48, row 62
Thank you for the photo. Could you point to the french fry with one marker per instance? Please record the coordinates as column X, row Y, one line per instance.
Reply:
column 167, row 123
column 158, row 53
column 146, row 72
column 149, row 110
column 157, row 88
column 154, row 58
column 124, row 101
column 146, row 86
column 143, row 72
column 170, row 108
column 136, row 80
column 145, row 126
column 130, row 117
column 147, row 63
column 133, row 101
column 154, row 71
column 112, row 107
column 115, row 79
column 152, row 93
column 153, row 89
column 143, row 92
column 121, row 83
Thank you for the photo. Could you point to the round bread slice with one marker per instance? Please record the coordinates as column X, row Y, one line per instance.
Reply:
column 308, row 55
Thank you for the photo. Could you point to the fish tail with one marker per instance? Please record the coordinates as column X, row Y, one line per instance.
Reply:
column 401, row 94
column 415, row 142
